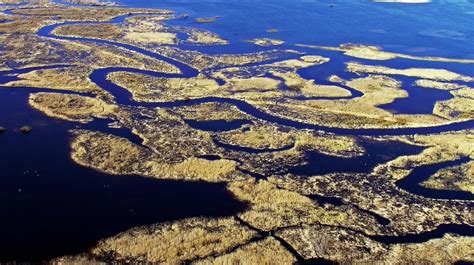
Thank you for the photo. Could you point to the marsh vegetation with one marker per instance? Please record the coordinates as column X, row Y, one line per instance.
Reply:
column 137, row 76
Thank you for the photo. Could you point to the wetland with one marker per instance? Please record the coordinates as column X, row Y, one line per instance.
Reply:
column 161, row 133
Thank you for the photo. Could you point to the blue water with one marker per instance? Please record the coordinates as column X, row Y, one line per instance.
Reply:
column 217, row 125
column 376, row 153
column 422, row 173
column 420, row 100
column 442, row 28
column 47, row 199
column 51, row 206
column 398, row 27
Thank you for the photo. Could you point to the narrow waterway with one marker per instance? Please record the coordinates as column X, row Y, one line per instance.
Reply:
column 47, row 199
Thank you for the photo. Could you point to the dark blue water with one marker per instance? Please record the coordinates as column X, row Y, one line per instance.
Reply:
column 397, row 26
column 123, row 96
column 422, row 173
column 439, row 232
column 420, row 101
column 50, row 206
column 339, row 202
column 47, row 200
column 375, row 153
column 217, row 125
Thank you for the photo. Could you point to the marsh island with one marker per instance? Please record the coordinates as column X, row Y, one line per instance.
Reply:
column 158, row 136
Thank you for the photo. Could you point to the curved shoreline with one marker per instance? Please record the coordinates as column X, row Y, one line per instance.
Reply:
column 122, row 96
column 440, row 231
column 99, row 77
column 411, row 183
column 250, row 150
column 57, row 189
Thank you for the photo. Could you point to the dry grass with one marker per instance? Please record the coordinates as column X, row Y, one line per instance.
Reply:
column 308, row 88
column 303, row 62
column 71, row 107
column 119, row 156
column 112, row 154
column 147, row 31
column 455, row 109
column 205, row 37
column 347, row 247
column 465, row 92
column 269, row 136
column 265, row 42
column 175, row 242
column 362, row 111
column 152, row 89
column 203, row 61
column 453, row 178
column 333, row 243
column 268, row 251
column 168, row 135
column 85, row 13
column 259, row 137
column 440, row 148
column 379, row 193
column 25, row 24
column 146, row 23
column 93, row 2
column 69, row 78
column 272, row 208
column 95, row 31
column 151, row 37
column 251, row 84
column 344, row 146
column 427, row 73
column 26, row 50
column 376, row 53
column 350, row 113
column 206, row 20
column 336, row 79
column 438, row 85
column 211, row 111
column 446, row 250
column 76, row 260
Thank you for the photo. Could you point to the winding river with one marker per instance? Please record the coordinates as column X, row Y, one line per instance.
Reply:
column 123, row 96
